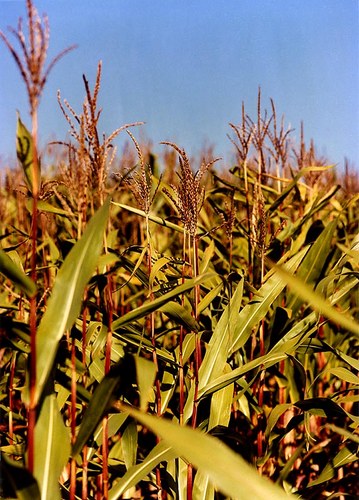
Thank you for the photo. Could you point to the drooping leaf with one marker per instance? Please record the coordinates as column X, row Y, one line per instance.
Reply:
column 274, row 416
column 175, row 311
column 321, row 406
column 9, row 269
column 351, row 436
column 317, row 302
column 153, row 218
column 344, row 374
column 160, row 453
column 119, row 378
column 147, row 308
column 45, row 206
column 229, row 472
column 52, row 445
column 345, row 456
column 293, row 184
column 65, row 302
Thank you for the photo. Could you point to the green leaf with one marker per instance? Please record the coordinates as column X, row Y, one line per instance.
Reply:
column 153, row 218
column 344, row 432
column 311, row 267
column 209, row 297
column 274, row 416
column 11, row 271
column 149, row 307
column 221, row 405
column 218, row 383
column 145, row 374
column 202, row 487
column 160, row 453
column 116, row 381
column 25, row 155
column 67, row 295
column 258, row 307
column 345, row 456
column 317, row 301
column 294, row 182
column 231, row 474
column 44, row 206
column 52, row 445
column 216, row 354
column 344, row 374
column 321, row 406
column 180, row 315
column 23, row 483
column 129, row 444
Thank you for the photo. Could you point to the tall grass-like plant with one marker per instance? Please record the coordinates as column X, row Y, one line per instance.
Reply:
column 31, row 59
column 196, row 334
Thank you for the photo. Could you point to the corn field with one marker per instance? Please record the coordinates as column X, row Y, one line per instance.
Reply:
column 173, row 328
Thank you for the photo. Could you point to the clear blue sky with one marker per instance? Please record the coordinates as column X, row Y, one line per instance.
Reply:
column 185, row 66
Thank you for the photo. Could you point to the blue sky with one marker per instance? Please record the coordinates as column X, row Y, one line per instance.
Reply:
column 185, row 66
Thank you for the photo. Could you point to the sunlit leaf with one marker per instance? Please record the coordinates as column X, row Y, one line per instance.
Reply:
column 147, row 308
column 9, row 269
column 311, row 267
column 257, row 308
column 52, row 445
column 180, row 315
column 129, row 444
column 345, row 456
column 145, row 375
column 153, row 218
column 229, row 472
column 317, row 302
column 161, row 452
column 67, row 295
column 119, row 378
column 25, row 155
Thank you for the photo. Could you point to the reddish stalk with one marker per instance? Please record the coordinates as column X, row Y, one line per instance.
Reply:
column 73, row 419
column 105, row 446
column 84, row 491
column 11, row 399
column 33, row 300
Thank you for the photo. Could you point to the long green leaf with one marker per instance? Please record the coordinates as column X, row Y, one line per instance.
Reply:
column 294, row 182
column 317, row 302
column 345, row 456
column 9, row 269
column 67, row 295
column 216, row 354
column 229, row 472
column 153, row 218
column 175, row 311
column 116, row 381
column 311, row 267
column 254, row 312
column 160, row 453
column 153, row 305
column 218, row 383
column 52, row 444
